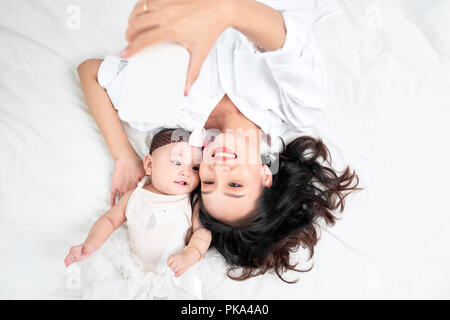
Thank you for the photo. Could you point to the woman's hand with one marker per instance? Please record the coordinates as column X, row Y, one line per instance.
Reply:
column 127, row 173
column 195, row 24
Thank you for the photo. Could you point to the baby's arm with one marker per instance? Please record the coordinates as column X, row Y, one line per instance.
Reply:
column 100, row 232
column 194, row 251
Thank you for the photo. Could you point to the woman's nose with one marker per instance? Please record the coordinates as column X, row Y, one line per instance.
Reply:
column 223, row 168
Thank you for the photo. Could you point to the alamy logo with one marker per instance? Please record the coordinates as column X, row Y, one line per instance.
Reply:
column 73, row 281
column 73, row 20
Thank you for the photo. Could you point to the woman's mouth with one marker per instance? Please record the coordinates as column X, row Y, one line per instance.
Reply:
column 223, row 154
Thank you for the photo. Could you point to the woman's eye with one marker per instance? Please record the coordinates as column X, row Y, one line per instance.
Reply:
column 195, row 168
column 235, row 185
column 207, row 182
column 176, row 162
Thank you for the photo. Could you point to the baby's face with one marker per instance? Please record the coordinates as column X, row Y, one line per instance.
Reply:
column 174, row 168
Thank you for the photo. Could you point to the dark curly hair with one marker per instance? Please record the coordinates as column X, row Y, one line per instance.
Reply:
column 304, row 192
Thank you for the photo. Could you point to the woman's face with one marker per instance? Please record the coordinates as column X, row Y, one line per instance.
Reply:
column 232, row 175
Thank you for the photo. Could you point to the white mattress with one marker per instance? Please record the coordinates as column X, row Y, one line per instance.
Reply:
column 389, row 100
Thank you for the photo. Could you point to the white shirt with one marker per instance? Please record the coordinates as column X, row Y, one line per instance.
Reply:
column 279, row 90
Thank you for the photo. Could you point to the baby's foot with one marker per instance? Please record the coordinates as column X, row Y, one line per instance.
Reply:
column 79, row 253
column 180, row 262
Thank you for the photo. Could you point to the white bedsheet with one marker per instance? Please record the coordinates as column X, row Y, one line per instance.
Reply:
column 389, row 63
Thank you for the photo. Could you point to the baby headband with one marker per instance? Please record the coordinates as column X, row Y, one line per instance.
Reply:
column 166, row 136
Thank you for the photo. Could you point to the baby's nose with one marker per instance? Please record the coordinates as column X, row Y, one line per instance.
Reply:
column 184, row 173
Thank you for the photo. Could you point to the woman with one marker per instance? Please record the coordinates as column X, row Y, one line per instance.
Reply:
column 261, row 76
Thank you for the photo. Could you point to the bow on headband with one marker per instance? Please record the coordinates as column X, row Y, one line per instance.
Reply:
column 198, row 138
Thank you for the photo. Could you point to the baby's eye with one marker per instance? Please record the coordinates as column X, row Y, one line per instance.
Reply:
column 195, row 168
column 235, row 185
column 176, row 162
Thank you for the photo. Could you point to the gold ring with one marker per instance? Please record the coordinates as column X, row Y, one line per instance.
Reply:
column 145, row 7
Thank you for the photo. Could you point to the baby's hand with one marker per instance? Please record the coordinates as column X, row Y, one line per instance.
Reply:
column 79, row 253
column 180, row 262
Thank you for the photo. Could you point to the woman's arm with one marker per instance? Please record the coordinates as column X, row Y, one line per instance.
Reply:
column 261, row 24
column 100, row 232
column 285, row 41
column 290, row 53
column 128, row 168
column 103, row 111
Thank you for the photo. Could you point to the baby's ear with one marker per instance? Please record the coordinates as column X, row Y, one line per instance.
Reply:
column 148, row 164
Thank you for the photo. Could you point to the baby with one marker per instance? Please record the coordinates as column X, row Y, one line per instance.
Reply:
column 158, row 212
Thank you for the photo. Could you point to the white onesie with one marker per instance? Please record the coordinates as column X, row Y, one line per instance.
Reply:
column 133, row 264
column 157, row 225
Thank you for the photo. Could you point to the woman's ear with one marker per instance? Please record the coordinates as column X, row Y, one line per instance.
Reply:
column 267, row 176
column 148, row 164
